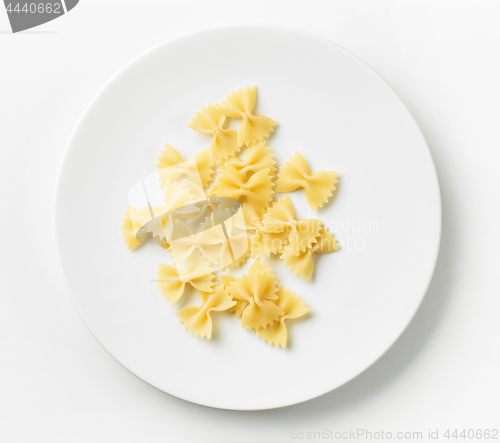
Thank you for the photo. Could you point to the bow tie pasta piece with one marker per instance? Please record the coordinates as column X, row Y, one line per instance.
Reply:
column 205, row 165
column 252, row 219
column 262, row 243
column 134, row 231
column 163, row 243
column 207, row 244
column 224, row 141
column 292, row 307
column 226, row 281
column 172, row 283
column 236, row 247
column 318, row 186
column 194, row 189
column 280, row 220
column 236, row 253
column 131, row 226
column 280, row 217
column 271, row 243
column 239, row 261
column 258, row 157
column 252, row 222
column 304, row 235
column 240, row 104
column 193, row 216
column 175, row 196
column 185, row 171
column 302, row 263
column 257, row 189
column 197, row 319
column 171, row 157
column 255, row 293
column 219, row 205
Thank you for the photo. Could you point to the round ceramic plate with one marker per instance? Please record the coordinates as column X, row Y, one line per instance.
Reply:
column 341, row 116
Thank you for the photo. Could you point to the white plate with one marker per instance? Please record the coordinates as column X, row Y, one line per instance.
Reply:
column 341, row 116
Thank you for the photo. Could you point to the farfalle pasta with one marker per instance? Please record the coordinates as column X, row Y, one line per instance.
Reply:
column 302, row 263
column 172, row 282
column 169, row 157
column 198, row 319
column 292, row 307
column 207, row 242
column 224, row 141
column 262, row 243
column 280, row 219
column 134, row 231
column 253, row 127
column 252, row 222
column 318, row 186
column 237, row 262
column 255, row 294
column 257, row 189
column 258, row 157
column 210, row 231
column 131, row 224
column 156, row 219
column 238, row 246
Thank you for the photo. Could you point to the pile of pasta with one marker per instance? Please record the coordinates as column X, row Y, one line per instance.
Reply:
column 270, row 225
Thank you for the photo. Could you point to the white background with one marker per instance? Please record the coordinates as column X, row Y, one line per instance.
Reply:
column 58, row 385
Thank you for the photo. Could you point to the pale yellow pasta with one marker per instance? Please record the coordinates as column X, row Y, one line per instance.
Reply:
column 171, row 157
column 318, row 186
column 221, row 244
column 257, row 189
column 237, row 248
column 131, row 224
column 224, row 141
column 251, row 222
column 235, row 221
column 258, row 157
column 205, row 165
column 198, row 319
column 256, row 291
column 215, row 238
column 292, row 307
column 240, row 104
column 182, row 172
column 162, row 242
column 302, row 263
column 156, row 219
column 280, row 220
column 192, row 215
column 133, row 230
column 262, row 243
column 208, row 243
column 226, row 280
column 241, row 304
column 239, row 252
column 172, row 282
column 195, row 190
column 272, row 243
column 220, row 205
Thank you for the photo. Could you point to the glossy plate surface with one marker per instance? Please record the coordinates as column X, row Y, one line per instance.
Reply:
column 341, row 116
